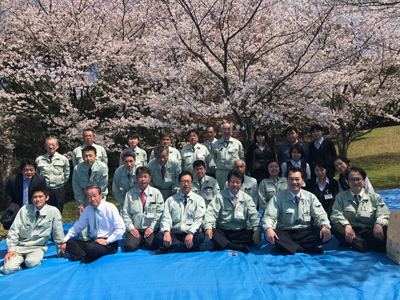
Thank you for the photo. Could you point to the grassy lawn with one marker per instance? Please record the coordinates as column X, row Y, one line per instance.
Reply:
column 377, row 153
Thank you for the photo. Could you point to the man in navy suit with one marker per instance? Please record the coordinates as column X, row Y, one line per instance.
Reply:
column 19, row 186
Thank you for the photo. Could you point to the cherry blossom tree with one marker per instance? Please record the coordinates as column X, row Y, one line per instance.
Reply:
column 115, row 65
column 251, row 62
column 363, row 92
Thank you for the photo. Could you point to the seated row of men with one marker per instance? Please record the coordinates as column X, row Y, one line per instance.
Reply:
column 294, row 220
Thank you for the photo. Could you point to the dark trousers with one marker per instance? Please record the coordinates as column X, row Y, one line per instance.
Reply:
column 89, row 251
column 178, row 241
column 221, row 238
column 364, row 240
column 57, row 198
column 133, row 244
column 293, row 241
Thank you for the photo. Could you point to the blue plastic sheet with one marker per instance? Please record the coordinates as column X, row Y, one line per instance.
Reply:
column 338, row 274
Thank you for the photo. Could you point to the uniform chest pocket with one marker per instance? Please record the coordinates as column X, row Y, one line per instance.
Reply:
column 188, row 155
column 135, row 207
column 349, row 213
column 58, row 169
column 288, row 216
column 175, row 213
column 227, row 212
column 95, row 179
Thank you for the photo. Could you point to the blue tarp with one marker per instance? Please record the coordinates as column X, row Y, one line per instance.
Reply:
column 262, row 274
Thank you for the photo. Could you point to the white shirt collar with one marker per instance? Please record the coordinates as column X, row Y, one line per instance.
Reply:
column 293, row 195
column 233, row 194
column 361, row 194
column 320, row 140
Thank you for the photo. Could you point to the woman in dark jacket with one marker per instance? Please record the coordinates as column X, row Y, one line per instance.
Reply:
column 323, row 187
column 259, row 154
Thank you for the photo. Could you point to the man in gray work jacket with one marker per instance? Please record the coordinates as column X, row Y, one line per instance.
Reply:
column 226, row 150
column 55, row 168
column 230, row 211
column 90, row 171
column 30, row 232
column 181, row 220
column 360, row 218
column 294, row 220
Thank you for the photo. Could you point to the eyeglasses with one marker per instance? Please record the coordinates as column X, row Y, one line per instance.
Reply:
column 185, row 181
column 355, row 179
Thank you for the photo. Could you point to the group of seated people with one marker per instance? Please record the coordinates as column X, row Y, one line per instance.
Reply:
column 167, row 209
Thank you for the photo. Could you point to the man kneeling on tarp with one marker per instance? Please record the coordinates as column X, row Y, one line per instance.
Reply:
column 294, row 219
column 106, row 226
column 228, row 215
column 181, row 220
column 360, row 218
column 30, row 232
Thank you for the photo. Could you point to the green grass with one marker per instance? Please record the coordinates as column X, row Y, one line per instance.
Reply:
column 377, row 153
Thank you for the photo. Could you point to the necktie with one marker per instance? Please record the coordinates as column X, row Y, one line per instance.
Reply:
column 185, row 200
column 142, row 198
column 357, row 199
column 90, row 172
column 200, row 184
column 162, row 171
column 51, row 158
column 234, row 200
column 192, row 148
column 96, row 224
column 37, row 215
column 296, row 200
column 129, row 176
column 226, row 143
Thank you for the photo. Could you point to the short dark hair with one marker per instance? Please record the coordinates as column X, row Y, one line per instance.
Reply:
column 40, row 188
column 261, row 131
column 93, row 186
column 128, row 153
column 342, row 158
column 297, row 147
column 199, row 163
column 316, row 127
column 163, row 135
column 133, row 135
column 289, row 129
column 160, row 149
column 144, row 170
column 236, row 173
column 280, row 169
column 210, row 126
column 295, row 169
column 27, row 162
column 183, row 173
column 357, row 170
column 88, row 129
column 89, row 148
column 321, row 164
column 192, row 131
